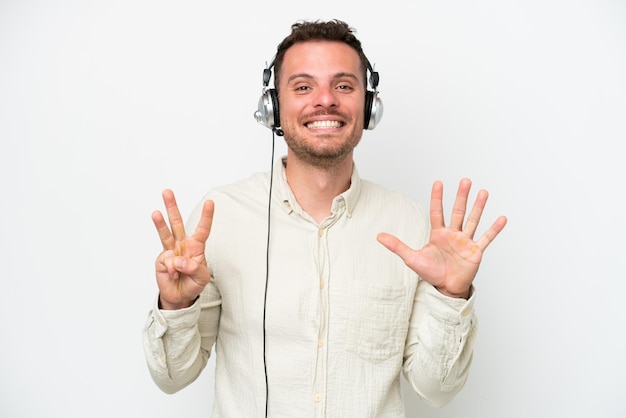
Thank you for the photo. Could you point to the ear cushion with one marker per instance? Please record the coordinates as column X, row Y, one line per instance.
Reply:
column 274, row 99
column 369, row 99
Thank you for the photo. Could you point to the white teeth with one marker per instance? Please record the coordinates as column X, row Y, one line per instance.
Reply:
column 323, row 124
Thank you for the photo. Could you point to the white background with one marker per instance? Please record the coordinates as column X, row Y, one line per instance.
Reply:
column 105, row 103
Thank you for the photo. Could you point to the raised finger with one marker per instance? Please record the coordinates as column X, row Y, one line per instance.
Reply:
column 436, row 205
column 460, row 205
column 474, row 216
column 173, row 214
column 491, row 233
column 167, row 240
column 206, row 220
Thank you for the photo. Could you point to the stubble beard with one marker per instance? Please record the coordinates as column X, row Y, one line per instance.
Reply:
column 321, row 153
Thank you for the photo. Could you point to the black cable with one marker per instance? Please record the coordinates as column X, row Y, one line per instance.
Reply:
column 267, row 270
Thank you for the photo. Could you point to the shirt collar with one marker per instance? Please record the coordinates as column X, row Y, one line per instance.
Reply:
column 347, row 199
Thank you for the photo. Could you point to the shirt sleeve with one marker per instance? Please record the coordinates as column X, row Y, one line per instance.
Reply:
column 177, row 344
column 439, row 347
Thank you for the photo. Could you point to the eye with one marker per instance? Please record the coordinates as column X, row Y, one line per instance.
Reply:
column 344, row 87
column 299, row 86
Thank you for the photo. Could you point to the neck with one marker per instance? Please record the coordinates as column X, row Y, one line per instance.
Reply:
column 315, row 187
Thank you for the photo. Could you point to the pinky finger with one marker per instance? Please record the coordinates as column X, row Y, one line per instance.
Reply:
column 165, row 265
column 492, row 233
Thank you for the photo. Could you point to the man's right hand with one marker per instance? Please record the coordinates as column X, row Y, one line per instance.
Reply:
column 181, row 269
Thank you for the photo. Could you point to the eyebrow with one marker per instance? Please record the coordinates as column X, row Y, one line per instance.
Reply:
column 336, row 76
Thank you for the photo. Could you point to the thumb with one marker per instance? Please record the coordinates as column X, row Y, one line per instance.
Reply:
column 413, row 259
column 396, row 246
column 190, row 267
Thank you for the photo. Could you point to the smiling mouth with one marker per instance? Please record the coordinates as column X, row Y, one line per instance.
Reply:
column 324, row 124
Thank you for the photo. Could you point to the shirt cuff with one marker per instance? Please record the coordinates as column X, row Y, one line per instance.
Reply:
column 173, row 320
column 449, row 309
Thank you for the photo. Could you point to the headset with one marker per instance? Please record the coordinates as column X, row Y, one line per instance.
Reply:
column 268, row 113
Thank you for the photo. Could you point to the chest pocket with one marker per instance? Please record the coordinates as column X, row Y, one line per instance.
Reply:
column 378, row 321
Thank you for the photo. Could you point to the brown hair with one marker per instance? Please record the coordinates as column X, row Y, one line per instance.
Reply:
column 333, row 30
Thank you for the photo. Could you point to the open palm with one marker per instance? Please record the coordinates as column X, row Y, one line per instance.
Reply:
column 450, row 260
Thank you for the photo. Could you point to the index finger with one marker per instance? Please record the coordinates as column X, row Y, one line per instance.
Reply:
column 173, row 214
column 206, row 220
column 436, row 205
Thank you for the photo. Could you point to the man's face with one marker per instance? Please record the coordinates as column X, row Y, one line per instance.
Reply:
column 321, row 97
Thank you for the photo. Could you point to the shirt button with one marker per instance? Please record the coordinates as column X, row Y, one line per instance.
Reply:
column 321, row 284
column 318, row 397
column 465, row 312
column 320, row 342
column 320, row 232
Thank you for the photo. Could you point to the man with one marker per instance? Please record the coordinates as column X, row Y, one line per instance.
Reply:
column 310, row 315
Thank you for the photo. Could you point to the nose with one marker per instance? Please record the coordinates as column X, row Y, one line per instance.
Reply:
column 325, row 97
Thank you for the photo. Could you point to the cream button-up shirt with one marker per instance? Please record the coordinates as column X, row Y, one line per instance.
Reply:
column 344, row 317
